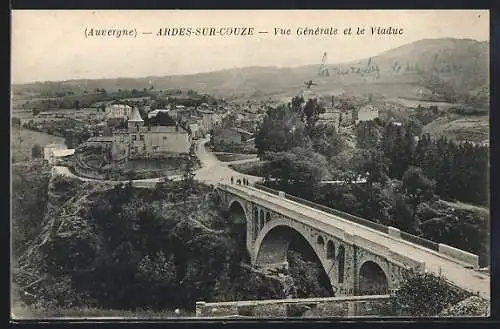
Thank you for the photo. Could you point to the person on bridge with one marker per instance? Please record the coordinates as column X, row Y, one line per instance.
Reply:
column 238, row 181
column 232, row 180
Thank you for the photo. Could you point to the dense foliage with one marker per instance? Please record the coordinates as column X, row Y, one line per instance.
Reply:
column 472, row 306
column 426, row 294
column 406, row 175
column 309, row 277
column 123, row 249
column 29, row 198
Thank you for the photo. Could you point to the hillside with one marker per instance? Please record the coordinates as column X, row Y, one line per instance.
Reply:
column 439, row 66
column 22, row 141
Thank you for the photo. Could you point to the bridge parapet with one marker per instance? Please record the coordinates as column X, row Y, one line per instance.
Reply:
column 419, row 266
column 392, row 231
column 461, row 255
column 370, row 245
column 457, row 255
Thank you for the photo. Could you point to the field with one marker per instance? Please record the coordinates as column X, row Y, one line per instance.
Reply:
column 22, row 141
column 458, row 127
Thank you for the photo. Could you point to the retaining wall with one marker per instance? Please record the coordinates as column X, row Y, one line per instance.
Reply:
column 345, row 306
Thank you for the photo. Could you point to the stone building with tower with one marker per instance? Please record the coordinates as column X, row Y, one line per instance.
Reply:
column 138, row 141
column 143, row 141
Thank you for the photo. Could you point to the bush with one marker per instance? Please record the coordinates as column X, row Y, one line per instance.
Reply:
column 472, row 306
column 426, row 294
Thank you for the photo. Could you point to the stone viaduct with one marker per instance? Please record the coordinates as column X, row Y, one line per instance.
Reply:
column 357, row 259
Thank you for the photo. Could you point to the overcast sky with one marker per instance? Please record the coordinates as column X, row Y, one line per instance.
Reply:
column 51, row 45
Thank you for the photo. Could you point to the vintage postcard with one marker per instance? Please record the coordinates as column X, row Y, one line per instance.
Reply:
column 250, row 164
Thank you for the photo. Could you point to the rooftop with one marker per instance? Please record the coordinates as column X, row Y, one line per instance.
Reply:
column 135, row 116
column 155, row 112
column 56, row 146
column 63, row 153
column 117, row 102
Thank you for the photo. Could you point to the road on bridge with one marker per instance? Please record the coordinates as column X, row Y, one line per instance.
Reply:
column 456, row 273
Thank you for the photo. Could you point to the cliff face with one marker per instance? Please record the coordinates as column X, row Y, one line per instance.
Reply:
column 126, row 248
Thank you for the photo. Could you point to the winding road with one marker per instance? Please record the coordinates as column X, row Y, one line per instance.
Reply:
column 212, row 171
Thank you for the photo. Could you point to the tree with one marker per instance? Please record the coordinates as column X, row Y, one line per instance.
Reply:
column 374, row 164
column 310, row 114
column 296, row 104
column 398, row 145
column 306, row 277
column 417, row 187
column 16, row 122
column 403, row 215
column 326, row 140
column 281, row 130
column 162, row 119
column 367, row 134
column 188, row 176
column 301, row 168
column 36, row 151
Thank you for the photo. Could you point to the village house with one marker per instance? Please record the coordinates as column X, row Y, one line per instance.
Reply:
column 366, row 113
column 308, row 94
column 52, row 153
column 196, row 133
column 209, row 119
column 117, row 109
column 331, row 118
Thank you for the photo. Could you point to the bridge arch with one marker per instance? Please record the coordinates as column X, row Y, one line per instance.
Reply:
column 272, row 244
column 372, row 279
column 236, row 206
column 238, row 225
column 330, row 250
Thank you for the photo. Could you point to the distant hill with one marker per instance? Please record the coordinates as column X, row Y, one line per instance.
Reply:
column 442, row 67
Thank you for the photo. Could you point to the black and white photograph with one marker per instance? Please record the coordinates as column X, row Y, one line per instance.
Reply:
column 250, row 164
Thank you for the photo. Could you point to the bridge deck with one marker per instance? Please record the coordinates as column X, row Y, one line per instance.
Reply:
column 456, row 273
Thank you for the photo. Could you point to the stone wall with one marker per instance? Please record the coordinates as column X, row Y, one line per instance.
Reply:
column 346, row 306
